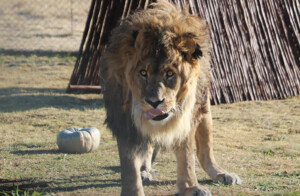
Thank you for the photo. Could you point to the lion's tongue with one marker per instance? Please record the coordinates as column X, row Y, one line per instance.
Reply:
column 153, row 113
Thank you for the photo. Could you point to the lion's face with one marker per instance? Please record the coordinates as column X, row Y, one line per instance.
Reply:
column 157, row 86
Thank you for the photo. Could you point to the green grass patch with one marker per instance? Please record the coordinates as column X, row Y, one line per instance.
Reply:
column 269, row 152
column 281, row 138
column 17, row 192
column 265, row 186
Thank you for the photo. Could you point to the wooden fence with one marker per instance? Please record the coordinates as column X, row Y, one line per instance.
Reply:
column 255, row 46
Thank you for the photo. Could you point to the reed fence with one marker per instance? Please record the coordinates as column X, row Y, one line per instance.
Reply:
column 255, row 46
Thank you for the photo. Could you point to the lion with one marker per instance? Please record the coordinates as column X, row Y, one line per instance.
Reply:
column 155, row 74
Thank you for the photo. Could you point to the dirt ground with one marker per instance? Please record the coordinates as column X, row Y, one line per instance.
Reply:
column 257, row 140
column 55, row 25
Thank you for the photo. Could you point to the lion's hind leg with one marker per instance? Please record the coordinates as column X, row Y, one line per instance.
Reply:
column 205, row 151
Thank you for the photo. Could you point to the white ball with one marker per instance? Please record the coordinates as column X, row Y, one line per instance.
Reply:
column 77, row 140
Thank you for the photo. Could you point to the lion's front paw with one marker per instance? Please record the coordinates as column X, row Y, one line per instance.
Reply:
column 195, row 191
column 228, row 178
column 147, row 176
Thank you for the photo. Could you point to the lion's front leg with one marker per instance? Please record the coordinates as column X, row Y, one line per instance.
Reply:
column 187, row 182
column 146, row 171
column 205, row 152
column 130, row 169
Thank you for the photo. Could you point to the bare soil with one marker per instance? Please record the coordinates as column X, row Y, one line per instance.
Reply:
column 257, row 140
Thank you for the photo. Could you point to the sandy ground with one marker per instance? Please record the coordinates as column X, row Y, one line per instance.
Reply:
column 55, row 25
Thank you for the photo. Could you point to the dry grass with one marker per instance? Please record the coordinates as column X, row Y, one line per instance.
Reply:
column 55, row 25
column 257, row 140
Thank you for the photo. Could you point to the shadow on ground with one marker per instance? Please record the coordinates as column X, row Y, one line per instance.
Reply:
column 115, row 169
column 23, row 99
column 73, row 183
column 35, row 152
column 16, row 91
column 47, row 53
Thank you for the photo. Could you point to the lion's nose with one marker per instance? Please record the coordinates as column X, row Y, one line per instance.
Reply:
column 155, row 103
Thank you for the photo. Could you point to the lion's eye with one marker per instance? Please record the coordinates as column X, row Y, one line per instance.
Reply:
column 143, row 73
column 170, row 74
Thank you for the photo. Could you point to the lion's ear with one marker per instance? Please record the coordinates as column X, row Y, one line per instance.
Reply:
column 192, row 54
column 188, row 46
column 198, row 52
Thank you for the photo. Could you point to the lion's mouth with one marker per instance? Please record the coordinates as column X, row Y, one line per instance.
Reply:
column 160, row 117
column 156, row 114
